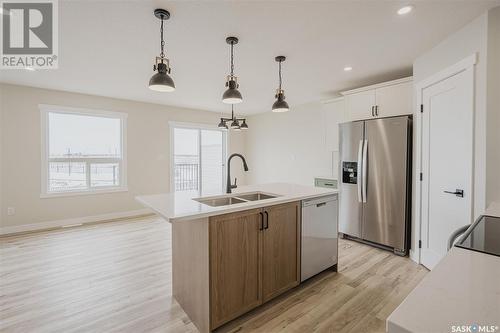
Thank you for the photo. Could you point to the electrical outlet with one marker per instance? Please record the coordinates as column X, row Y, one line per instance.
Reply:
column 11, row 211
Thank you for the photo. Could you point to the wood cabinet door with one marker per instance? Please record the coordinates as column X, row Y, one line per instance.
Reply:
column 280, row 249
column 235, row 268
column 394, row 100
column 359, row 105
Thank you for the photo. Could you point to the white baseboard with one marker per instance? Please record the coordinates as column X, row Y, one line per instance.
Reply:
column 73, row 221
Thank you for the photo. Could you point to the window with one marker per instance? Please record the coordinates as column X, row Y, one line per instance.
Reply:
column 83, row 151
column 198, row 158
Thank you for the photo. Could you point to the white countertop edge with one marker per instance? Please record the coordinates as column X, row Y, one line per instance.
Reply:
column 208, row 211
column 247, row 205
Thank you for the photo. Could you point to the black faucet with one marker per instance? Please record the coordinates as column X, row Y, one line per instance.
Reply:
column 228, row 183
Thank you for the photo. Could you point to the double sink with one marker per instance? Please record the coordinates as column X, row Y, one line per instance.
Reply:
column 235, row 198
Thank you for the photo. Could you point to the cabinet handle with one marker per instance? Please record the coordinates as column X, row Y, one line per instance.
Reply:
column 373, row 108
column 261, row 221
column 267, row 220
column 376, row 110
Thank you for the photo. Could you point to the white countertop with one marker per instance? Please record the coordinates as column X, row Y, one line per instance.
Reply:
column 463, row 289
column 179, row 206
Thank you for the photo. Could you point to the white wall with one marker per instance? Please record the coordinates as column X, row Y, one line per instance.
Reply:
column 295, row 146
column 469, row 40
column 493, row 107
column 148, row 154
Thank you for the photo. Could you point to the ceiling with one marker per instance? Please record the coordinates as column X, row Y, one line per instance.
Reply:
column 107, row 47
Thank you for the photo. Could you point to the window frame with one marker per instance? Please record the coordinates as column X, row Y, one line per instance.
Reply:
column 45, row 110
column 199, row 127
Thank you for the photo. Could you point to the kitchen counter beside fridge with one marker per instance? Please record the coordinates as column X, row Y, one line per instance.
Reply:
column 375, row 181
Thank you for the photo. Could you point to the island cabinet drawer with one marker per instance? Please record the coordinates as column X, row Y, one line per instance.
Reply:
column 254, row 257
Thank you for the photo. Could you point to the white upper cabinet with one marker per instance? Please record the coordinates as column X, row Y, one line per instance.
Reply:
column 394, row 100
column 360, row 105
column 386, row 99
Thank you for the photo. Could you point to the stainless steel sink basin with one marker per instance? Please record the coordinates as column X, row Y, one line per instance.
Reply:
column 234, row 198
column 255, row 196
column 224, row 201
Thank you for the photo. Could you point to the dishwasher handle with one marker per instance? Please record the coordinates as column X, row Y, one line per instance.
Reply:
column 320, row 201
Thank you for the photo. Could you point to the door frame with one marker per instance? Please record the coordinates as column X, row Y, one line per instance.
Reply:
column 199, row 127
column 459, row 67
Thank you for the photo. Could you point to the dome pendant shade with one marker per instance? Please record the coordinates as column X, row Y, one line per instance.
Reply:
column 222, row 124
column 235, row 124
column 232, row 96
column 161, row 82
column 280, row 105
column 244, row 125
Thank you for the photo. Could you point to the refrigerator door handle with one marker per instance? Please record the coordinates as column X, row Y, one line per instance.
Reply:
column 360, row 178
column 365, row 166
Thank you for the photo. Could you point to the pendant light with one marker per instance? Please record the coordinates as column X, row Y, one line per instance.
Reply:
column 280, row 105
column 235, row 124
column 232, row 95
column 162, row 81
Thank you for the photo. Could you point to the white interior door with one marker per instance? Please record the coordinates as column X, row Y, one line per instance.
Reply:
column 447, row 160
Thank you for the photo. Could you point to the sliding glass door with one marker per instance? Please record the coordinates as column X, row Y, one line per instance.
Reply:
column 198, row 158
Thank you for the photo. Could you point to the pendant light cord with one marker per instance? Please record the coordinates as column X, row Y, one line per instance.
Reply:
column 280, row 73
column 162, row 45
column 232, row 111
column 232, row 59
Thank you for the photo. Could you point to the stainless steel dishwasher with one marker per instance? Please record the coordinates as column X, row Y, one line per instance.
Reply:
column 319, row 235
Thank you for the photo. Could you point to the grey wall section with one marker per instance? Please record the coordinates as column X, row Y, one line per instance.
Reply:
column 147, row 154
column 493, row 108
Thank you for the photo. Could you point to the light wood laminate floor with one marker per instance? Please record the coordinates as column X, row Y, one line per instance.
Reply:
column 116, row 277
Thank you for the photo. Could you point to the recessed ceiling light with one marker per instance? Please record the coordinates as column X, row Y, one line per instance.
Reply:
column 29, row 69
column 348, row 68
column 405, row 10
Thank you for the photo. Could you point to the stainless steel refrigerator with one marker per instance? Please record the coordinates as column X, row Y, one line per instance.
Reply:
column 375, row 184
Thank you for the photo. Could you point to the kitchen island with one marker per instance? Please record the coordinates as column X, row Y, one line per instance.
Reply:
column 233, row 252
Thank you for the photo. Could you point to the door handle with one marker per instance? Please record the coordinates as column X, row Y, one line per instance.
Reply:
column 359, row 177
column 261, row 221
column 365, row 167
column 267, row 220
column 458, row 192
